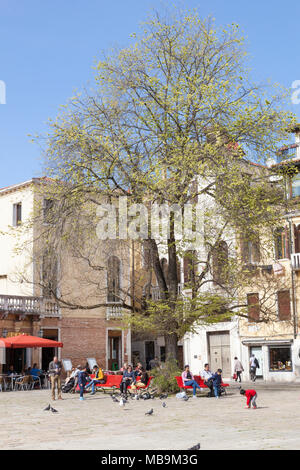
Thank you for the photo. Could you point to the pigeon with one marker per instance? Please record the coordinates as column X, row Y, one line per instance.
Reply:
column 164, row 404
column 48, row 408
column 53, row 410
column 115, row 400
column 122, row 402
column 163, row 396
column 150, row 412
column 196, row 447
column 186, row 398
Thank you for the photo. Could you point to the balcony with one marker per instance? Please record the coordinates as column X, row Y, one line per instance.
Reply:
column 295, row 260
column 26, row 306
column 114, row 312
column 155, row 292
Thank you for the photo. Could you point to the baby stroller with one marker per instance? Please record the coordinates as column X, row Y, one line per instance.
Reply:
column 68, row 385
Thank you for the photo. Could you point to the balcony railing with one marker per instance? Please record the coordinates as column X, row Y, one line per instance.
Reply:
column 21, row 305
column 295, row 260
column 114, row 312
column 155, row 292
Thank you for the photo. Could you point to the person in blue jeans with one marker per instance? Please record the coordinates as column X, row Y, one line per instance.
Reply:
column 188, row 379
column 82, row 380
column 217, row 380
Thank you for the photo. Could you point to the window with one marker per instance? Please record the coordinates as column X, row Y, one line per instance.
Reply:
column 280, row 358
column 250, row 249
column 282, row 243
column 47, row 209
column 49, row 275
column 17, row 214
column 284, row 305
column 253, row 307
column 220, row 262
column 189, row 262
column 297, row 238
column 296, row 185
column 113, row 279
column 146, row 255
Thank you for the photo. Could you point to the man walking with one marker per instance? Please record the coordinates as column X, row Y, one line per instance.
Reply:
column 254, row 364
column 55, row 368
column 238, row 369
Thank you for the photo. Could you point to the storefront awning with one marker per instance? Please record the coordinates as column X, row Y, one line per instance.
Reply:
column 271, row 342
column 27, row 341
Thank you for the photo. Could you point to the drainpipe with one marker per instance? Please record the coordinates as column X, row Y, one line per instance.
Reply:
column 295, row 322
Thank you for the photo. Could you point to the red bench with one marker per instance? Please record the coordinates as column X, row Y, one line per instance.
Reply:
column 114, row 381
column 142, row 388
column 199, row 381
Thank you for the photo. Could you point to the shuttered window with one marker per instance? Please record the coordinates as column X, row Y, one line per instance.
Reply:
column 189, row 267
column 253, row 307
column 220, row 262
column 282, row 243
column 17, row 214
column 113, row 279
column 284, row 305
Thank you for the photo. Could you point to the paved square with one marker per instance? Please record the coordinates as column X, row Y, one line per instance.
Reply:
column 98, row 423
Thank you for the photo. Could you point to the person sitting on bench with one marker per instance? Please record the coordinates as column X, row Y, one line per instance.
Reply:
column 99, row 379
column 188, row 380
column 207, row 379
column 143, row 379
column 127, row 380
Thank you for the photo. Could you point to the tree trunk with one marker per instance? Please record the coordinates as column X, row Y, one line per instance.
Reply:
column 171, row 346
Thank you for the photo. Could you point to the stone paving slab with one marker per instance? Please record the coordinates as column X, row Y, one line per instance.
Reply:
column 98, row 423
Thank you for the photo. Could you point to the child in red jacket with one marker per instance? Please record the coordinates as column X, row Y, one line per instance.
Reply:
column 251, row 397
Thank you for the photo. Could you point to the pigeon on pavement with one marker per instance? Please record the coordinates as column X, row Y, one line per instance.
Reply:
column 150, row 412
column 164, row 404
column 53, row 410
column 47, row 408
column 122, row 402
column 163, row 396
column 196, row 447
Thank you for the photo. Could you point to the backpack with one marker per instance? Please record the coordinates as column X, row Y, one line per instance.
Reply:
column 256, row 363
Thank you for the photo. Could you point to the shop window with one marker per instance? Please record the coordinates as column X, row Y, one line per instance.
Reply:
column 284, row 305
column 253, row 307
column 280, row 359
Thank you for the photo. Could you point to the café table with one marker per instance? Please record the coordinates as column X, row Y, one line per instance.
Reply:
column 12, row 378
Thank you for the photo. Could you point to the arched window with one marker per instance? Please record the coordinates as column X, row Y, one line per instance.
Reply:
column 220, row 262
column 113, row 279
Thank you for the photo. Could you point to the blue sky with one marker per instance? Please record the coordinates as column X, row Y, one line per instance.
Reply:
column 48, row 48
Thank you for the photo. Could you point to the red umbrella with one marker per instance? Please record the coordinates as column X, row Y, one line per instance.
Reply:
column 27, row 341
